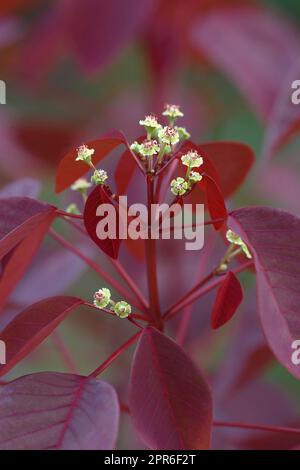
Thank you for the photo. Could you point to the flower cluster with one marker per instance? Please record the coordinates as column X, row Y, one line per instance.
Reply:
column 161, row 140
column 235, row 239
column 84, row 154
column 180, row 186
column 102, row 299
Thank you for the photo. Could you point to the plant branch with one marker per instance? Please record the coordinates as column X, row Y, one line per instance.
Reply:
column 150, row 248
column 115, row 355
column 256, row 427
column 118, row 287
column 175, row 308
column 67, row 214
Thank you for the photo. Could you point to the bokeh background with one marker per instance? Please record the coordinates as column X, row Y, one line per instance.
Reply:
column 74, row 69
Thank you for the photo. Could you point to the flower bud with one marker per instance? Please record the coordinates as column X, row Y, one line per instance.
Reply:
column 172, row 111
column 122, row 309
column 179, row 186
column 135, row 147
column 84, row 154
column 81, row 185
column 232, row 237
column 150, row 123
column 102, row 298
column 73, row 209
column 183, row 133
column 99, row 177
column 194, row 177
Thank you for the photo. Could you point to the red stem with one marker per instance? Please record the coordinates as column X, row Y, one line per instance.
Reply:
column 115, row 355
column 72, row 216
column 180, row 305
column 256, row 427
column 150, row 248
column 93, row 265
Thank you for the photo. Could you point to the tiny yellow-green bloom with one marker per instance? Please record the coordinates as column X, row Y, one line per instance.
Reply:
column 194, row 177
column 122, row 309
column 102, row 298
column 179, row 186
column 150, row 122
column 135, row 147
column 99, row 177
column 84, row 154
column 81, row 185
column 183, row 133
column 72, row 209
column 172, row 111
column 168, row 135
column 149, row 148
column 192, row 159
column 236, row 240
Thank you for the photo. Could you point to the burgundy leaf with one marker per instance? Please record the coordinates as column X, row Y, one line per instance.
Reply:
column 232, row 161
column 126, row 168
column 58, row 411
column 215, row 200
column 274, row 237
column 254, row 48
column 19, row 217
column 229, row 297
column 69, row 170
column 98, row 30
column 32, row 326
column 170, row 401
column 284, row 121
column 101, row 195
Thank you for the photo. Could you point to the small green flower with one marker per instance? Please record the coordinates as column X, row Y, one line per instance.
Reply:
column 151, row 125
column 236, row 240
column 192, row 159
column 102, row 298
column 172, row 111
column 81, row 185
column 149, row 148
column 72, row 209
column 183, row 133
column 135, row 147
column 84, row 154
column 179, row 186
column 99, row 177
column 194, row 177
column 168, row 135
column 122, row 309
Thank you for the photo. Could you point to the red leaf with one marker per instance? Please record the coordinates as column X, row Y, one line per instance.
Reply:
column 23, row 225
column 99, row 196
column 273, row 43
column 58, row 411
column 69, row 170
column 274, row 237
column 126, row 168
column 32, row 326
column 215, row 200
column 232, row 161
column 170, row 401
column 229, row 297
column 284, row 121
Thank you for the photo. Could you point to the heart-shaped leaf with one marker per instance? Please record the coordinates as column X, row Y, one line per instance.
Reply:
column 170, row 401
column 69, row 170
column 106, row 238
column 32, row 326
column 229, row 297
column 58, row 411
column 274, row 237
